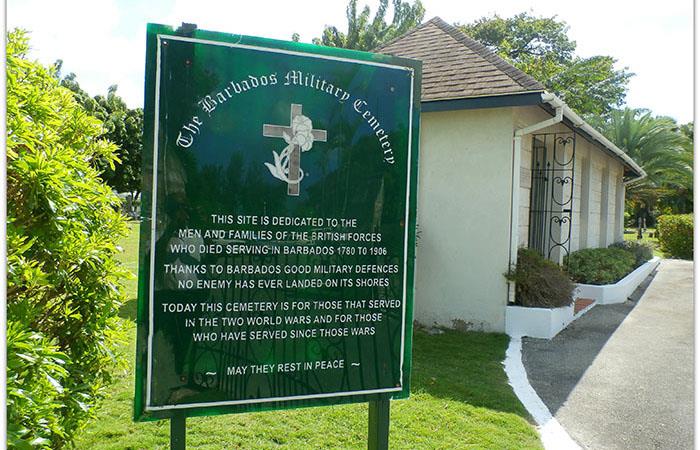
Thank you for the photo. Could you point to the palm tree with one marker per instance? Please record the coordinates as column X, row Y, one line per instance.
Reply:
column 658, row 146
column 365, row 33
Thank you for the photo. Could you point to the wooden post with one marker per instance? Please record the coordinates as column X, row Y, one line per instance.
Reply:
column 378, row 435
column 177, row 431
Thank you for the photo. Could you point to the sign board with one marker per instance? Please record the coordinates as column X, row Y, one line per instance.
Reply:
column 278, row 234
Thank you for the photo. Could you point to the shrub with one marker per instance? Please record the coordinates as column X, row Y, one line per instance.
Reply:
column 641, row 252
column 63, row 290
column 675, row 233
column 36, row 372
column 540, row 283
column 600, row 265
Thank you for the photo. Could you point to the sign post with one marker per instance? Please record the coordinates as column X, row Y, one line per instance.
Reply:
column 378, row 430
column 278, row 245
column 178, row 431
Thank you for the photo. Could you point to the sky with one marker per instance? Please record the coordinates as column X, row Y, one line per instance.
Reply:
column 103, row 41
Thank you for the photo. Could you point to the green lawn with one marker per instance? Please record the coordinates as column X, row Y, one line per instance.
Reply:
column 647, row 239
column 460, row 398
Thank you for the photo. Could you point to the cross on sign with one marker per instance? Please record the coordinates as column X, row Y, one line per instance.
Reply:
column 295, row 155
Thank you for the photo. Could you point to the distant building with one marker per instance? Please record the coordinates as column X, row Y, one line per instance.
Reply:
column 503, row 164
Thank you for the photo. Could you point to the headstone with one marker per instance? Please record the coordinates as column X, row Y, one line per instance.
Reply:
column 278, row 242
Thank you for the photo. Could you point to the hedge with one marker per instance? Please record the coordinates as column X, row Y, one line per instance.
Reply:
column 63, row 278
column 600, row 265
column 676, row 235
column 642, row 252
column 540, row 283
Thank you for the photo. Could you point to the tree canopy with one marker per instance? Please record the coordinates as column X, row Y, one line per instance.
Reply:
column 366, row 33
column 662, row 149
column 540, row 47
column 123, row 127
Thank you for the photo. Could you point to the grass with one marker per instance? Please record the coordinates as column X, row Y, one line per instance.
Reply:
column 647, row 239
column 460, row 398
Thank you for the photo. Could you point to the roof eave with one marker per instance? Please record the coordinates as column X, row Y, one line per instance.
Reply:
column 534, row 98
column 582, row 125
column 483, row 101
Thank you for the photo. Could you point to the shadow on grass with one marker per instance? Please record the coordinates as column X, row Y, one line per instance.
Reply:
column 465, row 367
column 128, row 310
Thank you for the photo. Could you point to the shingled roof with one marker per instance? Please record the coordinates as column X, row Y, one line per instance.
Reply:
column 456, row 66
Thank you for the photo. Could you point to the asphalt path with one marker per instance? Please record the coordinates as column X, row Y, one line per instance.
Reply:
column 621, row 377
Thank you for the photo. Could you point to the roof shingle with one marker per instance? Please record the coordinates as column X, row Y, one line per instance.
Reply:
column 456, row 66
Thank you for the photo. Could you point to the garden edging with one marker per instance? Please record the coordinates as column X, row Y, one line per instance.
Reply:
column 545, row 323
column 608, row 294
column 542, row 323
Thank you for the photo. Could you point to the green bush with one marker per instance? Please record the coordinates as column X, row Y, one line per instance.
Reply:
column 34, row 363
column 63, row 280
column 540, row 283
column 641, row 252
column 600, row 265
column 675, row 233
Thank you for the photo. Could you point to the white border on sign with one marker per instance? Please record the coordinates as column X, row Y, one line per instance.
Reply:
column 154, row 195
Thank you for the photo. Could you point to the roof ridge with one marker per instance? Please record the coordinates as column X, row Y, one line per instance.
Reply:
column 517, row 75
column 409, row 32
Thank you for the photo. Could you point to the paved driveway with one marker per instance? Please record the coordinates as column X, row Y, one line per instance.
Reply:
column 621, row 377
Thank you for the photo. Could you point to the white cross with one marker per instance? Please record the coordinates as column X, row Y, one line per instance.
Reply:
column 295, row 155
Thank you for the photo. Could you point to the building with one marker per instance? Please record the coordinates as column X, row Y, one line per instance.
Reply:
column 503, row 164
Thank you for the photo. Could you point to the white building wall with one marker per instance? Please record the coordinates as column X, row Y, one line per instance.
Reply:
column 525, row 190
column 588, row 187
column 619, row 207
column 615, row 178
column 595, row 191
column 576, row 207
column 464, row 206
column 464, row 196
column 523, row 117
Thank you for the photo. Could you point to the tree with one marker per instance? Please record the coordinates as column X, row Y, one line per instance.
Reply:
column 123, row 126
column 679, row 198
column 659, row 146
column 63, row 278
column 540, row 47
column 366, row 34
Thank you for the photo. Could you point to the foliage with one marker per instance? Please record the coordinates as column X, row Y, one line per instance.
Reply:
column 539, row 282
column 540, row 47
column 600, row 265
column 642, row 252
column 36, row 374
column 676, row 235
column 365, row 33
column 660, row 148
column 122, row 126
column 63, row 279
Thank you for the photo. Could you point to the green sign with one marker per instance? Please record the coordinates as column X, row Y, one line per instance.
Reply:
column 278, row 234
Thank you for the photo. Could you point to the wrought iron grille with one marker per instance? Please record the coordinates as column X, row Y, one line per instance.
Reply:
column 552, row 194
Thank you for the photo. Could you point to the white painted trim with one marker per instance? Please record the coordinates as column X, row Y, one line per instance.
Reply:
column 541, row 323
column 609, row 294
column 149, row 362
column 552, row 434
column 270, row 399
column 154, row 198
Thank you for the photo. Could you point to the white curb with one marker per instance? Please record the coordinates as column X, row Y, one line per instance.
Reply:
column 553, row 435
